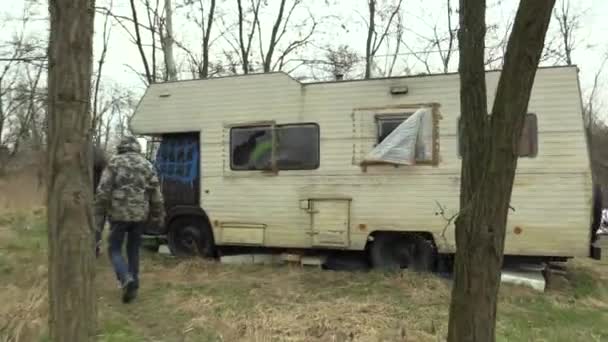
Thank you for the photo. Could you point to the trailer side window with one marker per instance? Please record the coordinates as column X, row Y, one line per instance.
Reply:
column 528, row 143
column 250, row 148
column 296, row 147
column 403, row 139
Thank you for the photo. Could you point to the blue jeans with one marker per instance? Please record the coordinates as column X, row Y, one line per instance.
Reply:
column 132, row 231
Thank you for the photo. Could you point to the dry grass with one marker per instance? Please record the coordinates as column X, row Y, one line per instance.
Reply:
column 205, row 301
column 23, row 314
column 21, row 190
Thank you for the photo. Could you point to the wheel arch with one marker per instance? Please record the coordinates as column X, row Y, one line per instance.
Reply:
column 187, row 211
column 420, row 233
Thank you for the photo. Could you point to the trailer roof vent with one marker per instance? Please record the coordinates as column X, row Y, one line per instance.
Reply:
column 399, row 90
column 164, row 94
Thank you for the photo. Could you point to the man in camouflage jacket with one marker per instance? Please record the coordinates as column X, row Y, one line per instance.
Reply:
column 99, row 164
column 129, row 196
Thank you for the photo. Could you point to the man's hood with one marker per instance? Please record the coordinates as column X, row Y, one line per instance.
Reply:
column 128, row 144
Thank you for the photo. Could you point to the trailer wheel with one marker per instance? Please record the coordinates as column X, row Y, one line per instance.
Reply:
column 397, row 251
column 190, row 236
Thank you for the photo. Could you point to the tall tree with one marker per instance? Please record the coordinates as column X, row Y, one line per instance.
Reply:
column 17, row 54
column 568, row 19
column 375, row 39
column 149, row 71
column 245, row 40
column 204, row 18
column 97, row 113
column 166, row 41
column 340, row 61
column 489, row 160
column 70, row 221
column 279, row 29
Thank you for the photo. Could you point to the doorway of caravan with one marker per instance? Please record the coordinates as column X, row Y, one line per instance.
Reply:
column 177, row 162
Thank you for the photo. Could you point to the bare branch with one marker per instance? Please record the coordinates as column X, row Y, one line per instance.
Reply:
column 295, row 44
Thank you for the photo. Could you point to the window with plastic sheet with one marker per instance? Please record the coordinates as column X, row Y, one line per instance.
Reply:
column 528, row 142
column 177, row 159
column 387, row 123
column 405, row 138
column 284, row 147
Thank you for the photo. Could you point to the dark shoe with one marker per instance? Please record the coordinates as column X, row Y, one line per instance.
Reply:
column 129, row 290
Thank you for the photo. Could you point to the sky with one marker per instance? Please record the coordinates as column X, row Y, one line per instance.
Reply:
column 340, row 22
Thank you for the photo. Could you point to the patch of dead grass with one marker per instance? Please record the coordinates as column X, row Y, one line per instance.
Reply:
column 289, row 307
column 24, row 311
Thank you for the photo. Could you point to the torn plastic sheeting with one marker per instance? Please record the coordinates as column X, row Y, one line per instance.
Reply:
column 405, row 142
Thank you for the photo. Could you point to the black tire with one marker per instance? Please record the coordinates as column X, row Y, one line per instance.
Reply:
column 191, row 236
column 342, row 262
column 397, row 251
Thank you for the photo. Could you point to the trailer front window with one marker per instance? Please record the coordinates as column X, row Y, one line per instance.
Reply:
column 287, row 147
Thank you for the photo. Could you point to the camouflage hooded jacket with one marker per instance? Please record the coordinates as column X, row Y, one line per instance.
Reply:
column 129, row 189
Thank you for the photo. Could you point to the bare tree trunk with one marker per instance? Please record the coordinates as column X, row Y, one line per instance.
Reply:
column 273, row 37
column 244, row 52
column 32, row 110
column 153, row 20
column 2, row 116
column 96, row 120
column 370, row 33
column 374, row 41
column 139, row 44
column 448, row 55
column 245, row 44
column 167, row 43
column 398, row 38
column 489, row 160
column 70, row 222
column 206, row 37
column 569, row 23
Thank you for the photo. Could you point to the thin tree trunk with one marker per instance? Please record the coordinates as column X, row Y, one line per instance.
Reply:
column 273, row 38
column 69, row 167
column 31, row 110
column 489, row 161
column 448, row 55
column 153, row 20
column 370, row 33
column 139, row 43
column 2, row 116
column 244, row 52
column 170, row 67
column 100, row 63
column 206, row 38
